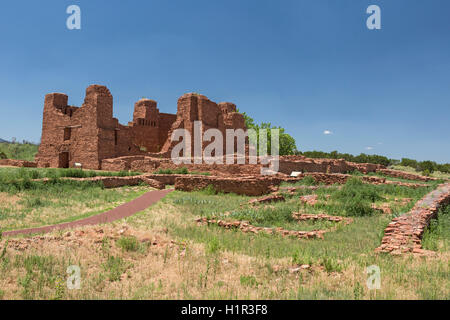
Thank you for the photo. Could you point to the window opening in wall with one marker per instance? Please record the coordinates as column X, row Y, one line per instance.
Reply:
column 67, row 133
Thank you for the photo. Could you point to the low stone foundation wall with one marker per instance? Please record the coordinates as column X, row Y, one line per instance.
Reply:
column 164, row 178
column 289, row 164
column 251, row 186
column 151, row 164
column 260, row 185
column 120, row 164
column 404, row 175
column 116, row 182
column 274, row 197
column 246, row 227
column 404, row 233
column 18, row 163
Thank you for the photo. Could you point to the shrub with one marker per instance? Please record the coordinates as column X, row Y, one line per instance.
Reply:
column 357, row 208
column 209, row 190
column 213, row 246
column 115, row 266
column 128, row 243
column 355, row 188
column 308, row 181
column 331, row 265
column 248, row 281
column 355, row 197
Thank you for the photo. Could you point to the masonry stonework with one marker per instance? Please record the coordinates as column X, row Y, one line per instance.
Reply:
column 90, row 134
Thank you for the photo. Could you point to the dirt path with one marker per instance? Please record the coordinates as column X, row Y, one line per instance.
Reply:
column 122, row 211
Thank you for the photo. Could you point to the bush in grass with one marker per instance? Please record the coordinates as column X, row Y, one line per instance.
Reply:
column 209, row 190
column 357, row 208
column 308, row 181
column 115, row 266
column 331, row 265
column 213, row 246
column 248, row 281
column 355, row 188
column 182, row 170
column 356, row 197
column 128, row 243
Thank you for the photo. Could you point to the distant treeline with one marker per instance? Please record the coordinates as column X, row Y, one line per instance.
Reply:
column 427, row 166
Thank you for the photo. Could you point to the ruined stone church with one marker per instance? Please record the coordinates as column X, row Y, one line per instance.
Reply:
column 90, row 133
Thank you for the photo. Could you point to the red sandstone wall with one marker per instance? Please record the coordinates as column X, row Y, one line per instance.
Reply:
column 18, row 163
column 404, row 175
column 246, row 186
column 96, row 135
column 194, row 107
column 83, row 143
column 288, row 164
column 404, row 233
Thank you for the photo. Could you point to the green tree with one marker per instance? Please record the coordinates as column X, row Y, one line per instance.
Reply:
column 428, row 166
column 287, row 145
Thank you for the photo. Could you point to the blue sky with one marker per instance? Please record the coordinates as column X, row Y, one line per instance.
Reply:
column 306, row 65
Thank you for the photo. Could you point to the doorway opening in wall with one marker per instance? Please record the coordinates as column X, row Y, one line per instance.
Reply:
column 63, row 160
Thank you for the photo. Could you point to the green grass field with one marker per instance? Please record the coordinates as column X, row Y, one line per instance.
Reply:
column 437, row 237
column 27, row 203
column 163, row 253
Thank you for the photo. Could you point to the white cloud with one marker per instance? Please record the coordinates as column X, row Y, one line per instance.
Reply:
column 327, row 132
column 369, row 148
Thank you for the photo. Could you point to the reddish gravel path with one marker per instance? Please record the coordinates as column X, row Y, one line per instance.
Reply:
column 122, row 211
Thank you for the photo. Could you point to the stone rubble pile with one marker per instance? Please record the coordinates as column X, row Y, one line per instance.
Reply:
column 310, row 199
column 321, row 216
column 384, row 208
column 274, row 197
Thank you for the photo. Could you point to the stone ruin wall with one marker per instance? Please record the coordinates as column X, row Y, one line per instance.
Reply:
column 289, row 164
column 90, row 134
column 404, row 175
column 259, row 185
column 195, row 107
column 18, row 163
column 404, row 233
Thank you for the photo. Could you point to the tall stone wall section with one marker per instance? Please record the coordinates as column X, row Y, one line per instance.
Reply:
column 89, row 134
column 194, row 107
